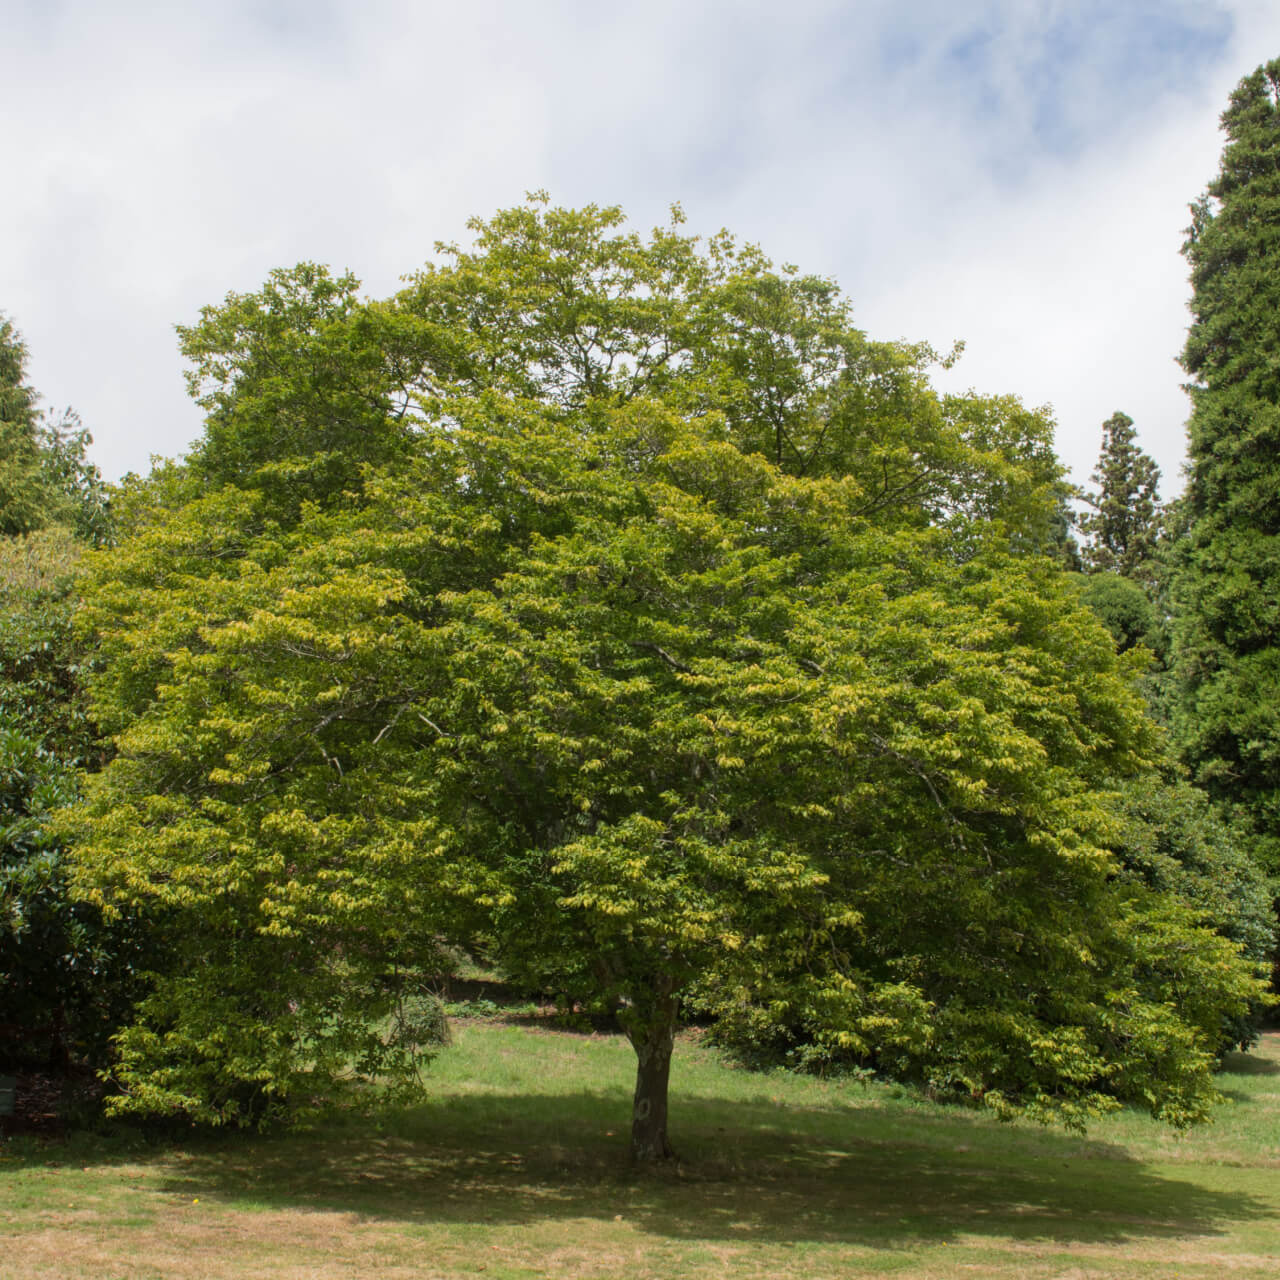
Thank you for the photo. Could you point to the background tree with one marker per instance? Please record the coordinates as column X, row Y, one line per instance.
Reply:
column 1125, row 608
column 67, row 980
column 45, row 475
column 667, row 685
column 1227, row 589
column 21, row 497
column 76, row 495
column 1122, row 524
column 1172, row 839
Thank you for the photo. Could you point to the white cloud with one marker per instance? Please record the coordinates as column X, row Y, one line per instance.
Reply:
column 1014, row 173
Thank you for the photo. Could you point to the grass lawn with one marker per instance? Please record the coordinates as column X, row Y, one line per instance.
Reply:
column 515, row 1166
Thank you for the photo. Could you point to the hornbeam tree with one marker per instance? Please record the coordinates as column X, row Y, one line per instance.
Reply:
column 684, row 646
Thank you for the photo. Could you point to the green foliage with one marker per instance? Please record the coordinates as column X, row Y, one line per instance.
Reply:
column 1125, row 608
column 686, row 645
column 78, row 497
column 1172, row 840
column 1123, row 524
column 300, row 389
column 1123, row 561
column 45, row 948
column 20, row 487
column 40, row 659
column 66, row 979
column 561, row 308
column 45, row 475
column 1175, row 840
column 1227, row 659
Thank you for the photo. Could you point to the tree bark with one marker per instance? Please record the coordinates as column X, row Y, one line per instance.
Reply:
column 653, row 1044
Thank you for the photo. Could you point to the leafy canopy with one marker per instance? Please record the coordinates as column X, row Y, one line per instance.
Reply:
column 677, row 644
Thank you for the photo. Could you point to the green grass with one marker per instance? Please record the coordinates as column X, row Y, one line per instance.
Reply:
column 515, row 1165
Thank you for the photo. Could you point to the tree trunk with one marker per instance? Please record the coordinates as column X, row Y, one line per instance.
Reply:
column 652, row 1043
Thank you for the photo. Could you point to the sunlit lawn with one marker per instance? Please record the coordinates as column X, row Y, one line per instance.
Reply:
column 515, row 1166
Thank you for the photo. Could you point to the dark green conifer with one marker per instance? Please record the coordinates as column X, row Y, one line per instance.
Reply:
column 1227, row 585
column 1123, row 520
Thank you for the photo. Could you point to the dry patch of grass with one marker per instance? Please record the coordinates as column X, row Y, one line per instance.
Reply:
column 515, row 1165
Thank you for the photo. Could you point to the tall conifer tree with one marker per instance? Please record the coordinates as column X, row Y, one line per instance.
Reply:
column 1228, row 582
column 1122, row 525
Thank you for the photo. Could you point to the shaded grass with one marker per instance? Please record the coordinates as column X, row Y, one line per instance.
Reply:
column 515, row 1165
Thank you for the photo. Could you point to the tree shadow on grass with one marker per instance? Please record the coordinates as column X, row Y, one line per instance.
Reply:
column 1246, row 1064
column 751, row 1172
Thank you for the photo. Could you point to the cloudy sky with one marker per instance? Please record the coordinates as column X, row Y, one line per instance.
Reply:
column 1011, row 172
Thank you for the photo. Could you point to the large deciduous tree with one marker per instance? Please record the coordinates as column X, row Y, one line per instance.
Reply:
column 1227, row 657
column 678, row 641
